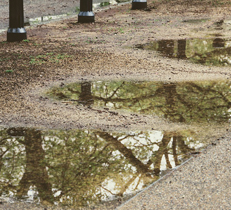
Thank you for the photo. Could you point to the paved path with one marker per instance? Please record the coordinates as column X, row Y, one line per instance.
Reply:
column 37, row 8
column 202, row 183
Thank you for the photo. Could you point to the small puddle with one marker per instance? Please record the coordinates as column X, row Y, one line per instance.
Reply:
column 216, row 51
column 186, row 102
column 196, row 21
column 87, row 168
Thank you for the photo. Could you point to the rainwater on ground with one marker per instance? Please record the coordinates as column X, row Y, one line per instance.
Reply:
column 185, row 102
column 79, row 168
column 210, row 51
column 85, row 168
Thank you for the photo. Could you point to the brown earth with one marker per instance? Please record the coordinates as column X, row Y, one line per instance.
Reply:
column 104, row 50
column 98, row 51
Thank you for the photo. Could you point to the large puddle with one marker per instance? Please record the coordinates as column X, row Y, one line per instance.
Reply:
column 186, row 102
column 216, row 51
column 79, row 168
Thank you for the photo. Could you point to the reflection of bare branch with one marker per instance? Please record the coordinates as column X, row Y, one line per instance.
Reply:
column 183, row 147
column 2, row 141
column 99, row 153
column 209, row 89
column 140, row 178
column 125, row 186
column 114, row 92
column 108, row 190
column 3, row 153
column 174, row 151
column 141, row 167
column 132, row 101
column 125, row 137
column 73, row 91
column 167, row 159
column 162, row 149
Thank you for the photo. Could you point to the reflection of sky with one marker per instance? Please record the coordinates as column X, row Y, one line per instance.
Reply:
column 141, row 140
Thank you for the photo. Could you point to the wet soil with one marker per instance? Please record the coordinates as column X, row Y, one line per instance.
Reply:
column 66, row 51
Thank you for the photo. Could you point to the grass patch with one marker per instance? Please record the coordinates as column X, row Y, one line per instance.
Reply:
column 48, row 57
column 9, row 71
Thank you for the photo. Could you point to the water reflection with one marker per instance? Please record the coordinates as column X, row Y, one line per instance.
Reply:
column 81, row 168
column 204, row 51
column 188, row 102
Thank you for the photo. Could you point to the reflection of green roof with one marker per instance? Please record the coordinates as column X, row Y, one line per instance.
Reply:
column 187, row 102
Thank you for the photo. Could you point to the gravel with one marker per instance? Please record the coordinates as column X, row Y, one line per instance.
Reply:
column 203, row 182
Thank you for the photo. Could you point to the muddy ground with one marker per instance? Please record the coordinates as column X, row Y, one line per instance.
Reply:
column 103, row 50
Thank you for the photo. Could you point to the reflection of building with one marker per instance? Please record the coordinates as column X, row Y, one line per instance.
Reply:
column 85, row 96
column 215, row 52
column 172, row 48
column 218, row 43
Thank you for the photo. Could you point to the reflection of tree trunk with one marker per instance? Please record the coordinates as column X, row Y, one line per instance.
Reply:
column 181, row 49
column 126, row 186
column 174, row 151
column 182, row 146
column 35, row 171
column 166, row 47
column 141, row 167
column 172, row 111
column 167, row 159
column 162, row 150
column 85, row 96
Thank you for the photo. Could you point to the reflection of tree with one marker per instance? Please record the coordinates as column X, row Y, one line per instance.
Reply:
column 82, row 93
column 35, row 170
column 219, row 56
column 73, row 167
column 178, row 102
column 141, row 167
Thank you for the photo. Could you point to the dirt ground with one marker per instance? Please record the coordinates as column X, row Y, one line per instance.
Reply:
column 103, row 50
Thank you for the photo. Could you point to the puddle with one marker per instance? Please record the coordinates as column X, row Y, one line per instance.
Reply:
column 186, row 102
column 222, row 25
column 216, row 52
column 195, row 20
column 95, row 168
column 86, row 168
